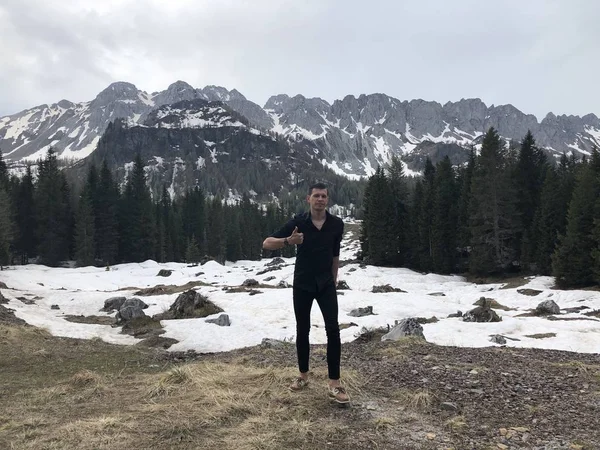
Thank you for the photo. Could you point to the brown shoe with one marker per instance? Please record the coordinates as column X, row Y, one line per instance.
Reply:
column 338, row 394
column 298, row 384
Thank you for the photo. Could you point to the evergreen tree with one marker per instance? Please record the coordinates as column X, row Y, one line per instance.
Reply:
column 6, row 228
column 378, row 225
column 25, row 220
column 399, row 192
column 85, row 250
column 573, row 262
column 215, row 236
column 233, row 250
column 547, row 222
column 529, row 173
column 424, row 219
column 138, row 227
column 53, row 212
column 192, row 252
column 4, row 177
column 493, row 216
column 106, row 218
column 194, row 217
column 444, row 221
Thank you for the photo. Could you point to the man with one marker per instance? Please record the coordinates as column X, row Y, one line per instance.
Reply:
column 317, row 235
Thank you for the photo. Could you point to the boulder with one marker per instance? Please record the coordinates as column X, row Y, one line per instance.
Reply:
column 164, row 273
column 404, row 328
column 361, row 312
column 385, row 288
column 250, row 282
column 482, row 313
column 134, row 301
column 127, row 313
column 113, row 303
column 341, row 285
column 222, row 320
column 276, row 261
column 191, row 304
column 547, row 307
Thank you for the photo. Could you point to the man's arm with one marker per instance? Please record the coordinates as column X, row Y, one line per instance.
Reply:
column 335, row 267
column 273, row 243
column 288, row 232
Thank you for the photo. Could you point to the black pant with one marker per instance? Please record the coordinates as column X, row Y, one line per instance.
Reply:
column 327, row 300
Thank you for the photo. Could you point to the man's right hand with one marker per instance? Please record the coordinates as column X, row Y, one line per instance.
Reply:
column 296, row 238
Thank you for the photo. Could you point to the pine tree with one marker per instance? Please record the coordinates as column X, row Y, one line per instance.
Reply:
column 6, row 228
column 573, row 262
column 25, row 226
column 378, row 225
column 4, row 177
column 424, row 219
column 529, row 174
column 138, row 227
column 444, row 222
column 192, row 252
column 85, row 248
column 233, row 233
column 106, row 219
column 493, row 216
column 53, row 212
column 215, row 235
column 399, row 192
column 547, row 222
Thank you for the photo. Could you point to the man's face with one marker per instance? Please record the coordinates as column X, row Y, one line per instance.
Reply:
column 318, row 199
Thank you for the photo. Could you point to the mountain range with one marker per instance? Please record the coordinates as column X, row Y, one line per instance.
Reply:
column 196, row 128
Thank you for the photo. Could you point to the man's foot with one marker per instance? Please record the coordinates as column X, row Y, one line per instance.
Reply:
column 338, row 394
column 298, row 384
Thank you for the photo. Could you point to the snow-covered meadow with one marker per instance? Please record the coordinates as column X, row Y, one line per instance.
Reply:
column 33, row 289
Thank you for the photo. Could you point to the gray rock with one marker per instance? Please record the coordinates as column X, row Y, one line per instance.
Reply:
column 164, row 273
column 342, row 285
column 54, row 307
column 269, row 278
column 482, row 314
column 385, row 288
column 276, row 262
column 498, row 339
column 113, row 303
column 283, row 284
column 127, row 313
column 456, row 314
column 134, row 301
column 547, row 307
column 222, row 320
column 406, row 327
column 250, row 282
column 272, row 343
column 361, row 312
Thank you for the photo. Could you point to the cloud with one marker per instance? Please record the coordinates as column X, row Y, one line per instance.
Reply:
column 539, row 55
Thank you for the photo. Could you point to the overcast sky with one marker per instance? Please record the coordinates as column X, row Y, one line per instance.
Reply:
column 539, row 55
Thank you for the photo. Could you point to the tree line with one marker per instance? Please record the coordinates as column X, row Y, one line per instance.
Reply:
column 508, row 210
column 42, row 219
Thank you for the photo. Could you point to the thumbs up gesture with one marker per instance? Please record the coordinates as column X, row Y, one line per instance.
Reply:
column 296, row 238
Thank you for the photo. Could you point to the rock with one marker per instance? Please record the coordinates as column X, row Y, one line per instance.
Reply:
column 343, row 326
column 530, row 292
column 449, row 406
column 54, row 307
column 134, row 301
column 250, row 282
column 547, row 307
column 3, row 285
column 406, row 327
column 198, row 274
column 283, row 284
column 482, row 314
column 437, row 294
column 276, row 261
column 352, row 269
column 272, row 343
column 254, row 292
column 222, row 320
column 361, row 312
column 164, row 273
column 493, row 304
column 385, row 288
column 127, row 313
column 456, row 314
column 342, row 285
column 269, row 278
column 498, row 339
column 425, row 320
column 114, row 303
column 190, row 304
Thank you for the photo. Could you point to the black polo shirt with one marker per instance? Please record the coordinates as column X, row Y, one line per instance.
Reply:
column 314, row 257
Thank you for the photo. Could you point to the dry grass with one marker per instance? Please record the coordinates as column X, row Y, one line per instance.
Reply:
column 418, row 400
column 72, row 394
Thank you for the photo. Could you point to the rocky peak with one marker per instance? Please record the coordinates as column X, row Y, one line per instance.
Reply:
column 119, row 91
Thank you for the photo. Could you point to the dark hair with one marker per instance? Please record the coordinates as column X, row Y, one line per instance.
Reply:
column 317, row 185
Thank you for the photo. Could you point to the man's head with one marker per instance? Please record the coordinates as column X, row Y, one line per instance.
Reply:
column 317, row 196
